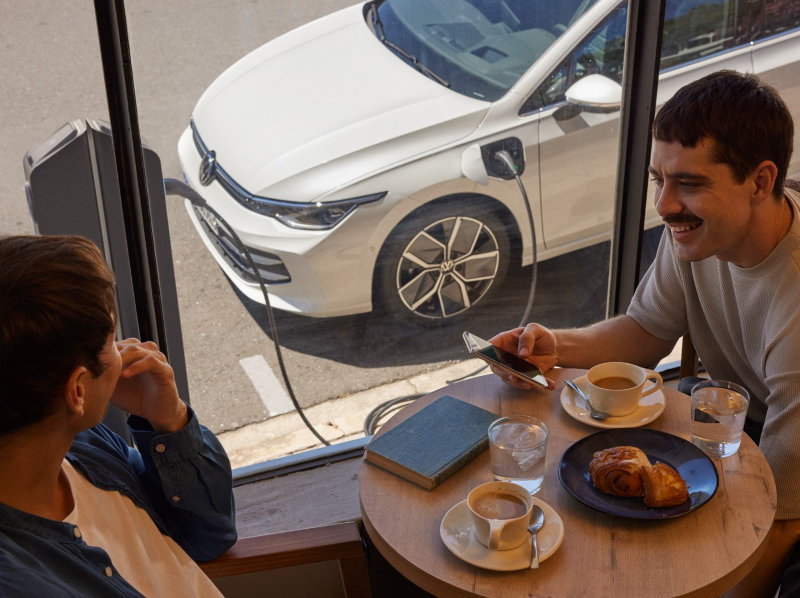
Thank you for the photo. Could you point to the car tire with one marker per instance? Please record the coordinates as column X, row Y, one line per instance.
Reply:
column 441, row 263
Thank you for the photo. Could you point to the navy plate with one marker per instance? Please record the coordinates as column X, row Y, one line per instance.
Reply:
column 690, row 462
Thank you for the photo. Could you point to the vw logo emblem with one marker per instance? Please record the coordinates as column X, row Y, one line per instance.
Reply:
column 208, row 168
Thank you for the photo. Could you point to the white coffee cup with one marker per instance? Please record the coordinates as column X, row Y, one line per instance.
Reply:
column 613, row 398
column 500, row 533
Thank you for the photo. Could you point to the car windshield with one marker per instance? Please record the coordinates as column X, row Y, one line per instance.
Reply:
column 479, row 48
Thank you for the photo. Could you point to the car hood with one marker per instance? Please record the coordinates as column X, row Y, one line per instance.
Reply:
column 325, row 106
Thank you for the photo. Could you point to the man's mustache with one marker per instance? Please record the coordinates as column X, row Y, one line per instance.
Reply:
column 682, row 219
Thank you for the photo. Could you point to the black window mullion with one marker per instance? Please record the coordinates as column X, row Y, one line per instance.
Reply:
column 639, row 86
column 118, row 73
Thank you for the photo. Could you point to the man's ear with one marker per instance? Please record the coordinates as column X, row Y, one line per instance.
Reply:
column 764, row 176
column 75, row 390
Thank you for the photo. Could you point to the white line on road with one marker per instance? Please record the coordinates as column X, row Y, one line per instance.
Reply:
column 267, row 385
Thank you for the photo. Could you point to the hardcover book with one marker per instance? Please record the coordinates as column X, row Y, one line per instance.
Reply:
column 434, row 443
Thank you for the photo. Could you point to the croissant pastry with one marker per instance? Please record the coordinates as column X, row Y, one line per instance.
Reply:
column 626, row 471
column 617, row 471
column 663, row 486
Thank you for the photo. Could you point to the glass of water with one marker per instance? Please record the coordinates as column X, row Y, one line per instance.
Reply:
column 719, row 409
column 517, row 450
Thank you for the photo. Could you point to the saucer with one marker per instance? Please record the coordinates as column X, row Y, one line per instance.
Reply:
column 650, row 407
column 457, row 535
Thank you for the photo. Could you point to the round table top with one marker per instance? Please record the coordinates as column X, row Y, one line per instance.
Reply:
column 703, row 553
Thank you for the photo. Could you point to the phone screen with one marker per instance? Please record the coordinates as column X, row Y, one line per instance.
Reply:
column 488, row 352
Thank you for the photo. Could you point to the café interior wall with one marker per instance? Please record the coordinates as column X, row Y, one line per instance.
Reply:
column 321, row 580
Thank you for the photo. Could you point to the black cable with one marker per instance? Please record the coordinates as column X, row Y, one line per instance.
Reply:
column 506, row 158
column 176, row 187
column 384, row 408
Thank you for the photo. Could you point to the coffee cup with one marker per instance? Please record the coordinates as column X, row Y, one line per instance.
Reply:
column 501, row 512
column 617, row 387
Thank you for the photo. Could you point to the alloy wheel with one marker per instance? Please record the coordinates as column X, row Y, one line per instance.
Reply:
column 447, row 267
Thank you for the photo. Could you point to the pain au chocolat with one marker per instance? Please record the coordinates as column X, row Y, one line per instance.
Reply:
column 626, row 471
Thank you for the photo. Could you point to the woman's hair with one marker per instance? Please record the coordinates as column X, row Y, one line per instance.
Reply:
column 57, row 310
column 745, row 118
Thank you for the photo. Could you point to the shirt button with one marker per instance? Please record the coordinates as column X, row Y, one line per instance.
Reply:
column 160, row 448
column 109, row 572
column 176, row 499
column 76, row 531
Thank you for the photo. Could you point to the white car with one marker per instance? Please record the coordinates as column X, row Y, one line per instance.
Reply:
column 351, row 155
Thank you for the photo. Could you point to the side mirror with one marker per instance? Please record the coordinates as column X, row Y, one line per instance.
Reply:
column 472, row 165
column 595, row 93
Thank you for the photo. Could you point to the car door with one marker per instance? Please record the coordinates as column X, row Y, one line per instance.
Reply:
column 578, row 149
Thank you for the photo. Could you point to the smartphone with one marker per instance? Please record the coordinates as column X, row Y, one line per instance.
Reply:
column 503, row 359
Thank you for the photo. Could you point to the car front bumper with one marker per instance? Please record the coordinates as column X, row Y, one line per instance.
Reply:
column 316, row 273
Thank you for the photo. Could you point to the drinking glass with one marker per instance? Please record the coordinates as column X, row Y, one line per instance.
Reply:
column 517, row 450
column 719, row 409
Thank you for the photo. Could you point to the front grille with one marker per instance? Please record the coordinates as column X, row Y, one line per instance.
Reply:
column 270, row 266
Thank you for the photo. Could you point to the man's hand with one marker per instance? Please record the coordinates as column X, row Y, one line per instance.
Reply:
column 146, row 387
column 535, row 344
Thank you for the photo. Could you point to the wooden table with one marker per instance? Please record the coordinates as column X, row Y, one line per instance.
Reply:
column 703, row 553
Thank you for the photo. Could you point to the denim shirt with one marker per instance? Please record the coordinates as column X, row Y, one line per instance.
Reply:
column 181, row 479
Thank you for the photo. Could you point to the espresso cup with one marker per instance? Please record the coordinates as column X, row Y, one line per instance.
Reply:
column 501, row 512
column 617, row 387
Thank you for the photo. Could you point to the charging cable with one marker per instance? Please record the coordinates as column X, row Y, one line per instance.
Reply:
column 506, row 159
column 176, row 187
column 382, row 410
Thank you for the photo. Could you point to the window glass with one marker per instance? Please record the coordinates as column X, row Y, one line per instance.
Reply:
column 385, row 225
column 369, row 221
column 52, row 75
column 780, row 16
column 695, row 29
column 479, row 48
column 601, row 53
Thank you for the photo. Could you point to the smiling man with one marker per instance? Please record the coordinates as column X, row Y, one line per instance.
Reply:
column 82, row 513
column 727, row 271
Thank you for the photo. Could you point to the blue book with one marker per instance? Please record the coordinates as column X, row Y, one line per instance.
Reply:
column 434, row 443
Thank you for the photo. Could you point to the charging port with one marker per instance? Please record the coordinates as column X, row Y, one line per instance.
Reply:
column 496, row 167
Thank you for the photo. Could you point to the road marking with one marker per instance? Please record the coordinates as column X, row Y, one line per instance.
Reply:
column 267, row 385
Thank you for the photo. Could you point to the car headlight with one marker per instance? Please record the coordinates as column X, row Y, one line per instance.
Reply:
column 310, row 216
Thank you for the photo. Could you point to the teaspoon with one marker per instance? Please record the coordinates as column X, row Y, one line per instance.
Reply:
column 536, row 523
column 592, row 411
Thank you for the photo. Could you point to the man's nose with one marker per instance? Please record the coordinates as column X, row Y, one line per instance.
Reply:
column 666, row 200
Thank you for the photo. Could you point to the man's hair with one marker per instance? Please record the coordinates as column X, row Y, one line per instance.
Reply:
column 57, row 310
column 745, row 118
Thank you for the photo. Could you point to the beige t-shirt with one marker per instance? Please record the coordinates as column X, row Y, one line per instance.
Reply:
column 150, row 561
column 745, row 325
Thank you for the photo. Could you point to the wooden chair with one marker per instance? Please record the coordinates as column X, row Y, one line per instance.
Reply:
column 341, row 541
column 689, row 362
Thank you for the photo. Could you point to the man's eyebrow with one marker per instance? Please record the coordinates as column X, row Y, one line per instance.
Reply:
column 684, row 176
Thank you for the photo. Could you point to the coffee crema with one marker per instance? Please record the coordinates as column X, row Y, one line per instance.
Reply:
column 615, row 383
column 500, row 505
